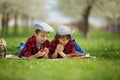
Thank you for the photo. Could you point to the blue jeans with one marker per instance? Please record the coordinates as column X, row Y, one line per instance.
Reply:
column 21, row 46
column 78, row 49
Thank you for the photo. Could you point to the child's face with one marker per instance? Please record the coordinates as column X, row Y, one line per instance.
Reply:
column 41, row 37
column 63, row 40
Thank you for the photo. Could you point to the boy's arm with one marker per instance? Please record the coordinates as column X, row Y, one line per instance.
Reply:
column 41, row 53
column 55, row 54
column 63, row 55
column 68, row 55
column 60, row 51
column 45, row 56
column 33, row 56
column 36, row 55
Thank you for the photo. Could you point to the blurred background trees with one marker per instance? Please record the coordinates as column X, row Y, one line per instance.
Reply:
column 81, row 10
column 26, row 10
column 110, row 10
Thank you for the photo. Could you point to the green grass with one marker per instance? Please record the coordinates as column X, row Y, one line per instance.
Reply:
column 104, row 45
column 68, row 69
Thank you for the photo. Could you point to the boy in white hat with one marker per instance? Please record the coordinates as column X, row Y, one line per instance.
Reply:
column 62, row 46
column 37, row 45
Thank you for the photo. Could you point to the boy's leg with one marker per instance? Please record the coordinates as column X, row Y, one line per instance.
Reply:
column 78, row 49
column 21, row 46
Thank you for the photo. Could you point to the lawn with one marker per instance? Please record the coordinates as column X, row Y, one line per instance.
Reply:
column 104, row 45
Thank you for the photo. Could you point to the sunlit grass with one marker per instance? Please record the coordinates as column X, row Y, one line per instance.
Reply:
column 68, row 69
column 104, row 45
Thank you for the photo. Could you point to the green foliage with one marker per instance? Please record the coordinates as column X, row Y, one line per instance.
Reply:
column 104, row 45
column 75, row 9
column 29, row 8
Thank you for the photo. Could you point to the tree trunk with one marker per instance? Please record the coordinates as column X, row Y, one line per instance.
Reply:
column 85, row 26
column 5, row 20
column 25, row 24
column 15, row 26
column 6, row 23
column 3, row 26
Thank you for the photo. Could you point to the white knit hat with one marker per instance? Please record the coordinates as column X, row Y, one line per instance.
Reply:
column 64, row 30
column 43, row 27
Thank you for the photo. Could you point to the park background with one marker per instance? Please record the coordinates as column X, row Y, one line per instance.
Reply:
column 96, row 25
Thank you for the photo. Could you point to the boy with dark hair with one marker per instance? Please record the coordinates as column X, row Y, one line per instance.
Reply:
column 37, row 45
column 63, row 46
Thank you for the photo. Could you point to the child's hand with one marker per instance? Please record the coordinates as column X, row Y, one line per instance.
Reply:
column 41, row 53
column 46, row 50
column 60, row 48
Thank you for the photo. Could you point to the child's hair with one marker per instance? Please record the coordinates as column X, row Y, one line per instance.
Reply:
column 57, row 36
column 37, row 31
